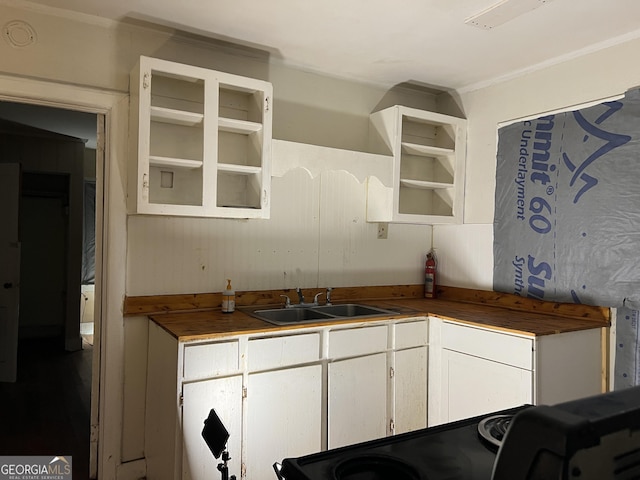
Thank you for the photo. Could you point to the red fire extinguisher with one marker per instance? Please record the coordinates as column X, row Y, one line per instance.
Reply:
column 430, row 276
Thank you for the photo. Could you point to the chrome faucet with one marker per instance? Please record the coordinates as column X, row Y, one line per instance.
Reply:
column 287, row 301
column 302, row 303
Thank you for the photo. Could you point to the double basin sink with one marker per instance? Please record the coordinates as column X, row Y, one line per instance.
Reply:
column 317, row 313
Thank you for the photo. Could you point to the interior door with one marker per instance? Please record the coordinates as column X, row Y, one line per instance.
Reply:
column 9, row 270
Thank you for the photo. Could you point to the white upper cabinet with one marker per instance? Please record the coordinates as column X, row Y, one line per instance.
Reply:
column 428, row 151
column 202, row 140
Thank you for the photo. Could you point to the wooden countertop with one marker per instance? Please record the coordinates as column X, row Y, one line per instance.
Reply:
column 211, row 323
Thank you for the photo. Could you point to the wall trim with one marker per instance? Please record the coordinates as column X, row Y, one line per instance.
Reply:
column 107, row 387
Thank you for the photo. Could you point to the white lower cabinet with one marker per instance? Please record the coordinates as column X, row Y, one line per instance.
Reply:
column 184, row 382
column 292, row 393
column 477, row 370
column 284, row 418
column 357, row 400
column 409, row 376
column 267, row 390
column 357, row 384
column 198, row 398
column 410, row 392
column 473, row 386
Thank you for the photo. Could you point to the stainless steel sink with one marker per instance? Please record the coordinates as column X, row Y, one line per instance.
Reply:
column 283, row 316
column 350, row 310
column 310, row 314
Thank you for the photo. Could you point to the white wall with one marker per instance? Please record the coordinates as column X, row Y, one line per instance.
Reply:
column 317, row 235
column 589, row 78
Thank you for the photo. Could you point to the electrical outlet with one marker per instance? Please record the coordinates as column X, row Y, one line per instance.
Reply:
column 383, row 229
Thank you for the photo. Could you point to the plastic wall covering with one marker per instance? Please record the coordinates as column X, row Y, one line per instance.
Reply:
column 567, row 214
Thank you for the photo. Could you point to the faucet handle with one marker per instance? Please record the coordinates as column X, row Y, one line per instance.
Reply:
column 315, row 298
column 287, row 301
column 329, row 295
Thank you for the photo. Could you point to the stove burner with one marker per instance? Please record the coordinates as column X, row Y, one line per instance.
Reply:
column 374, row 467
column 493, row 428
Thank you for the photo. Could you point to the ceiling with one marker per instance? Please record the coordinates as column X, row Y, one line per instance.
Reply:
column 389, row 42
column 384, row 42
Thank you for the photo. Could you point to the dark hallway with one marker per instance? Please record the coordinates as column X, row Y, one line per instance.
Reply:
column 47, row 411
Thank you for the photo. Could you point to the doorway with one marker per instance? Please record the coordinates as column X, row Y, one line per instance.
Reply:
column 51, row 402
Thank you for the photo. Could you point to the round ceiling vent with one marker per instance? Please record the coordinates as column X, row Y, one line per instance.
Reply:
column 19, row 34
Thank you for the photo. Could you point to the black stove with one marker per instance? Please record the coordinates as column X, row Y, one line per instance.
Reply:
column 593, row 438
column 453, row 451
column 493, row 428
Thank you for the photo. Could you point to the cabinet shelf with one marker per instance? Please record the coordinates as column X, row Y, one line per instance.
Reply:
column 426, row 150
column 156, row 161
column 239, row 169
column 232, row 125
column 175, row 117
column 422, row 185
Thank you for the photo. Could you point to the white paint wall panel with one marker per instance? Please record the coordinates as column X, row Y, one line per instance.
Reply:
column 317, row 236
column 465, row 255
column 197, row 255
column 350, row 252
column 317, row 159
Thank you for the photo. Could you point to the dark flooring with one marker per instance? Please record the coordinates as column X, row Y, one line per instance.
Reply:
column 47, row 411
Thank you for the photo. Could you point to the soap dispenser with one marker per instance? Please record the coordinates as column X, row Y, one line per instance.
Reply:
column 228, row 298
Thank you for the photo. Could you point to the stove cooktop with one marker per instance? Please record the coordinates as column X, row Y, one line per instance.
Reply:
column 451, row 451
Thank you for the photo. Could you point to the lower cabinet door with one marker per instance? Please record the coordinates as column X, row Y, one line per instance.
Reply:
column 410, row 392
column 474, row 386
column 225, row 396
column 284, row 417
column 357, row 400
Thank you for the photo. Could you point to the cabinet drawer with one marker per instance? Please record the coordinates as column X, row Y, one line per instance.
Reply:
column 411, row 334
column 210, row 359
column 357, row 341
column 492, row 345
column 275, row 352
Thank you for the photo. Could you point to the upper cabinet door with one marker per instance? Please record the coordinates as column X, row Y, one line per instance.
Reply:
column 428, row 151
column 202, row 140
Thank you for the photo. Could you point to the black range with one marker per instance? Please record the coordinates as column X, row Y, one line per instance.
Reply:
column 452, row 451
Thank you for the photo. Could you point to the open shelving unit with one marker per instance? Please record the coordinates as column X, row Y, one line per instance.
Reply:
column 202, row 141
column 428, row 167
